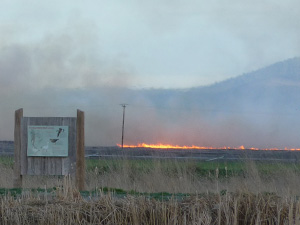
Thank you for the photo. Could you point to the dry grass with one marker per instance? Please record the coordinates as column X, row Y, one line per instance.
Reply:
column 250, row 198
column 284, row 182
column 68, row 207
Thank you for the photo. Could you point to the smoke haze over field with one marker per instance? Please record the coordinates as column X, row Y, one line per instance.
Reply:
column 176, row 63
column 259, row 109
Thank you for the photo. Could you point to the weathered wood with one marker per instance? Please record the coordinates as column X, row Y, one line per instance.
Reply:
column 73, row 164
column 69, row 164
column 51, row 165
column 80, row 160
column 25, row 164
column 17, row 182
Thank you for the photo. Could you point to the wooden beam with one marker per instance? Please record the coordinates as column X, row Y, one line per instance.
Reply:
column 80, row 160
column 17, row 181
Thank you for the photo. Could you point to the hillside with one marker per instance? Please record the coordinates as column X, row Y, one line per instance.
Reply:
column 258, row 109
column 274, row 88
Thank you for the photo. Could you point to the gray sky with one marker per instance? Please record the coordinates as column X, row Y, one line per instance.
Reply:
column 56, row 56
column 138, row 44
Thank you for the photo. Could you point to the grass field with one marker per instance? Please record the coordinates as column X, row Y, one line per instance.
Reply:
column 127, row 191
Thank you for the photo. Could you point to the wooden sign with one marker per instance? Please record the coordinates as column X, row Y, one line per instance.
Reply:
column 47, row 141
column 49, row 146
column 38, row 153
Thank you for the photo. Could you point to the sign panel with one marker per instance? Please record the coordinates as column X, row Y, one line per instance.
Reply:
column 48, row 141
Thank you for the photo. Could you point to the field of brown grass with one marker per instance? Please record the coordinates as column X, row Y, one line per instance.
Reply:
column 258, row 195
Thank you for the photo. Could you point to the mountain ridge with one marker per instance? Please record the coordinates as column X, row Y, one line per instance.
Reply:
column 277, row 82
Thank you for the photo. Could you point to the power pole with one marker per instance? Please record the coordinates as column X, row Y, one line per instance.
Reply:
column 124, row 106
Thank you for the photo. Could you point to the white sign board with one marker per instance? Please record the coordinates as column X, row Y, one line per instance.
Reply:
column 48, row 141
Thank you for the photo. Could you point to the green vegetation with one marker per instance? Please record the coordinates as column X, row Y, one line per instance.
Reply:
column 7, row 161
column 198, row 168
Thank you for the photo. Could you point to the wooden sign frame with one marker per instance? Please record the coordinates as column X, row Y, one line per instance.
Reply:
column 73, row 163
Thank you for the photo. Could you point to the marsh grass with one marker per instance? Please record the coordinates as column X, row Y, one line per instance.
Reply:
column 218, row 193
column 68, row 207
column 195, row 177
column 174, row 176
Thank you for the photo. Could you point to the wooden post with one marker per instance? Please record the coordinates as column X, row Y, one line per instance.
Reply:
column 17, row 181
column 80, row 160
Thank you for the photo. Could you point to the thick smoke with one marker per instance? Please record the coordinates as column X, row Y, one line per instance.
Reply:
column 59, row 74
column 150, row 123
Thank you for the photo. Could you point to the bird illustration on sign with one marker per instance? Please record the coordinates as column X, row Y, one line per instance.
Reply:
column 59, row 131
column 47, row 140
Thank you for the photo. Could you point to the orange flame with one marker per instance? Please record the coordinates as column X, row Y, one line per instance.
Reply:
column 169, row 146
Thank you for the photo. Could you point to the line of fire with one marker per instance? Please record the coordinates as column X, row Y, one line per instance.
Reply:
column 169, row 146
column 195, row 147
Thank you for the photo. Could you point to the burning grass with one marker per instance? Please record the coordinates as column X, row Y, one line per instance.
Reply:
column 150, row 192
column 193, row 147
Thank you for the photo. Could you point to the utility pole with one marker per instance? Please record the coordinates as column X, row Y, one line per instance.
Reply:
column 124, row 106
